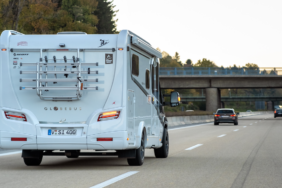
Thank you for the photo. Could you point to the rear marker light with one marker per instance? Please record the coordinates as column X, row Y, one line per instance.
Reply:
column 15, row 116
column 18, row 139
column 120, row 49
column 3, row 49
column 234, row 115
column 104, row 139
column 109, row 115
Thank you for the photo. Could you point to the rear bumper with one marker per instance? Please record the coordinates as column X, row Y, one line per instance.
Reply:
column 278, row 115
column 225, row 120
column 66, row 143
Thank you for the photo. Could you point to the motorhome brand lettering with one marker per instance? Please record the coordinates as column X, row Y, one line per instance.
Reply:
column 61, row 108
column 19, row 54
column 109, row 58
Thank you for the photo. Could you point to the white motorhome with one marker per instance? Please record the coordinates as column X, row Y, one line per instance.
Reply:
column 74, row 94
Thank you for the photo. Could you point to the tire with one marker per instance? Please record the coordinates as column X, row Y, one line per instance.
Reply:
column 33, row 161
column 140, row 154
column 216, row 123
column 235, row 123
column 274, row 116
column 164, row 150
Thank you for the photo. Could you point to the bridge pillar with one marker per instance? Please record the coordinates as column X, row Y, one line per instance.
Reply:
column 222, row 104
column 269, row 106
column 212, row 99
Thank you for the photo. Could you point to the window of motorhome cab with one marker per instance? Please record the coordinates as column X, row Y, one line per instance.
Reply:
column 135, row 65
column 147, row 79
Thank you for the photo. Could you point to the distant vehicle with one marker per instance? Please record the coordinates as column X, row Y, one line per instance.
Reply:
column 226, row 115
column 249, row 110
column 73, row 91
column 278, row 113
column 277, row 106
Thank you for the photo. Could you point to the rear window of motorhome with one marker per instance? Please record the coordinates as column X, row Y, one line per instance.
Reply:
column 147, row 79
column 135, row 65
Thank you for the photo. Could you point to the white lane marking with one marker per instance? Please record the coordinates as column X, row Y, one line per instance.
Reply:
column 10, row 153
column 114, row 180
column 245, row 126
column 222, row 135
column 193, row 147
column 188, row 127
column 236, row 130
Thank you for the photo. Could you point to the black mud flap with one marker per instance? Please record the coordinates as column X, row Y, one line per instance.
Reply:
column 129, row 154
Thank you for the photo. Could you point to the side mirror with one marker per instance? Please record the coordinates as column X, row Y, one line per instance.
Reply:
column 238, row 113
column 174, row 99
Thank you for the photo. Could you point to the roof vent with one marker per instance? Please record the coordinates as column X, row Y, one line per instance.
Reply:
column 72, row 33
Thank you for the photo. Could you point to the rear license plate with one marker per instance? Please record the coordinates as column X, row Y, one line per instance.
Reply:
column 225, row 116
column 62, row 132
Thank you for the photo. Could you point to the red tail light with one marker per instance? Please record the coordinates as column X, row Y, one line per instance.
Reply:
column 216, row 115
column 18, row 139
column 275, row 111
column 233, row 115
column 15, row 116
column 108, row 115
column 104, row 139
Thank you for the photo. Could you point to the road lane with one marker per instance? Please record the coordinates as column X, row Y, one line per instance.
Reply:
column 217, row 163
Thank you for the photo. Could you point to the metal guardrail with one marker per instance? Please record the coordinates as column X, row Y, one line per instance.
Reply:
column 226, row 99
column 262, row 71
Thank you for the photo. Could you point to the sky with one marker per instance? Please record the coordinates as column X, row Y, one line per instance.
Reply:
column 226, row 32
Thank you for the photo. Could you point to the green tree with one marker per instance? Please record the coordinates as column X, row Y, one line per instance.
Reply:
column 177, row 58
column 189, row 62
column 168, row 61
column 251, row 66
column 106, row 14
column 205, row 63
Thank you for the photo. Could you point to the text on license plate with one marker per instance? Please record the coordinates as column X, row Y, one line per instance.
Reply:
column 225, row 116
column 61, row 132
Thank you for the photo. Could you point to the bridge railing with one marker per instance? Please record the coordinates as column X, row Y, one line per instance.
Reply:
column 220, row 71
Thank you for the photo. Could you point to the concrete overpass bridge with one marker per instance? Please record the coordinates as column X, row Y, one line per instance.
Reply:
column 214, row 79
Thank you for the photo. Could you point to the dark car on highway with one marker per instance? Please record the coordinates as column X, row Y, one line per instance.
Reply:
column 225, row 116
column 278, row 113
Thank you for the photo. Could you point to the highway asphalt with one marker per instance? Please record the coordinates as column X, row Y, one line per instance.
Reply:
column 248, row 155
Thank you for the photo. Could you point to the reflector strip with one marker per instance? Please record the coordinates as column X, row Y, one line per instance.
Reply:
column 4, row 49
column 62, row 49
column 104, row 139
column 18, row 139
